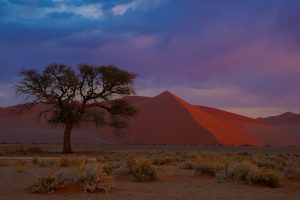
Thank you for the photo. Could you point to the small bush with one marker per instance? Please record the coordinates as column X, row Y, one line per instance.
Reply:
column 131, row 162
column 122, row 170
column 237, row 172
column 143, row 171
column 267, row 178
column 92, row 178
column 108, row 168
column 248, row 173
column 210, row 168
column 140, row 170
column 49, row 184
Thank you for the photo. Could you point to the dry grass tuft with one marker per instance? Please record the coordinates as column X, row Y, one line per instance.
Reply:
column 92, row 178
column 249, row 173
column 48, row 183
column 140, row 170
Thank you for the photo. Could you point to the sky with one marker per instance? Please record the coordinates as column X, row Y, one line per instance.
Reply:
column 239, row 55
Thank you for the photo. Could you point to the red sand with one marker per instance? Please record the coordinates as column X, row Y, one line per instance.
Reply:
column 164, row 119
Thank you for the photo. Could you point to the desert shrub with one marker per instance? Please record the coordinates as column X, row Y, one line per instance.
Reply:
column 209, row 167
column 236, row 172
column 131, row 162
column 108, row 168
column 209, row 163
column 48, row 183
column 266, row 177
column 248, row 173
column 182, row 155
column 266, row 164
column 92, row 178
column 122, row 170
column 143, row 171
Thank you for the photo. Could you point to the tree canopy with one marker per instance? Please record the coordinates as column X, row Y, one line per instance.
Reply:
column 88, row 94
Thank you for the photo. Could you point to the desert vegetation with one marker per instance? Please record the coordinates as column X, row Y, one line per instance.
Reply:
column 108, row 171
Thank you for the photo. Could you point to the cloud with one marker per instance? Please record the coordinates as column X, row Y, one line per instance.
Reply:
column 122, row 8
column 92, row 11
column 39, row 10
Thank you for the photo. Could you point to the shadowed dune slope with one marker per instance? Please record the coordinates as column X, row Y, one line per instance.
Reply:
column 26, row 127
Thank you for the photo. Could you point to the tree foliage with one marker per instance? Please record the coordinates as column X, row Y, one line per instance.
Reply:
column 88, row 94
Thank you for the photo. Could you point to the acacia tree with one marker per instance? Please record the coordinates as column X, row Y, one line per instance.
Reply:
column 88, row 94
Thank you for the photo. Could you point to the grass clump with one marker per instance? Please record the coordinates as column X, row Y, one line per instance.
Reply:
column 209, row 167
column 237, row 172
column 144, row 171
column 49, row 183
column 140, row 170
column 249, row 173
column 268, row 178
column 92, row 178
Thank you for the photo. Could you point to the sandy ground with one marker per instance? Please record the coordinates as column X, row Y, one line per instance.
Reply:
column 12, row 186
column 172, row 183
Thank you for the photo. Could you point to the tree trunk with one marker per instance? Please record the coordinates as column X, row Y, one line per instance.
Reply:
column 67, row 138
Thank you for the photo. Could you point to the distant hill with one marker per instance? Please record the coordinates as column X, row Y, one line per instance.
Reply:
column 163, row 119
column 285, row 118
column 289, row 122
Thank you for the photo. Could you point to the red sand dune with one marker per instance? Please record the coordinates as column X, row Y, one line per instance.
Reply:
column 289, row 122
column 285, row 118
column 163, row 119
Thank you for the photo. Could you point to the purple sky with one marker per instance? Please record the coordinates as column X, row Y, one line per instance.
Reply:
column 242, row 56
